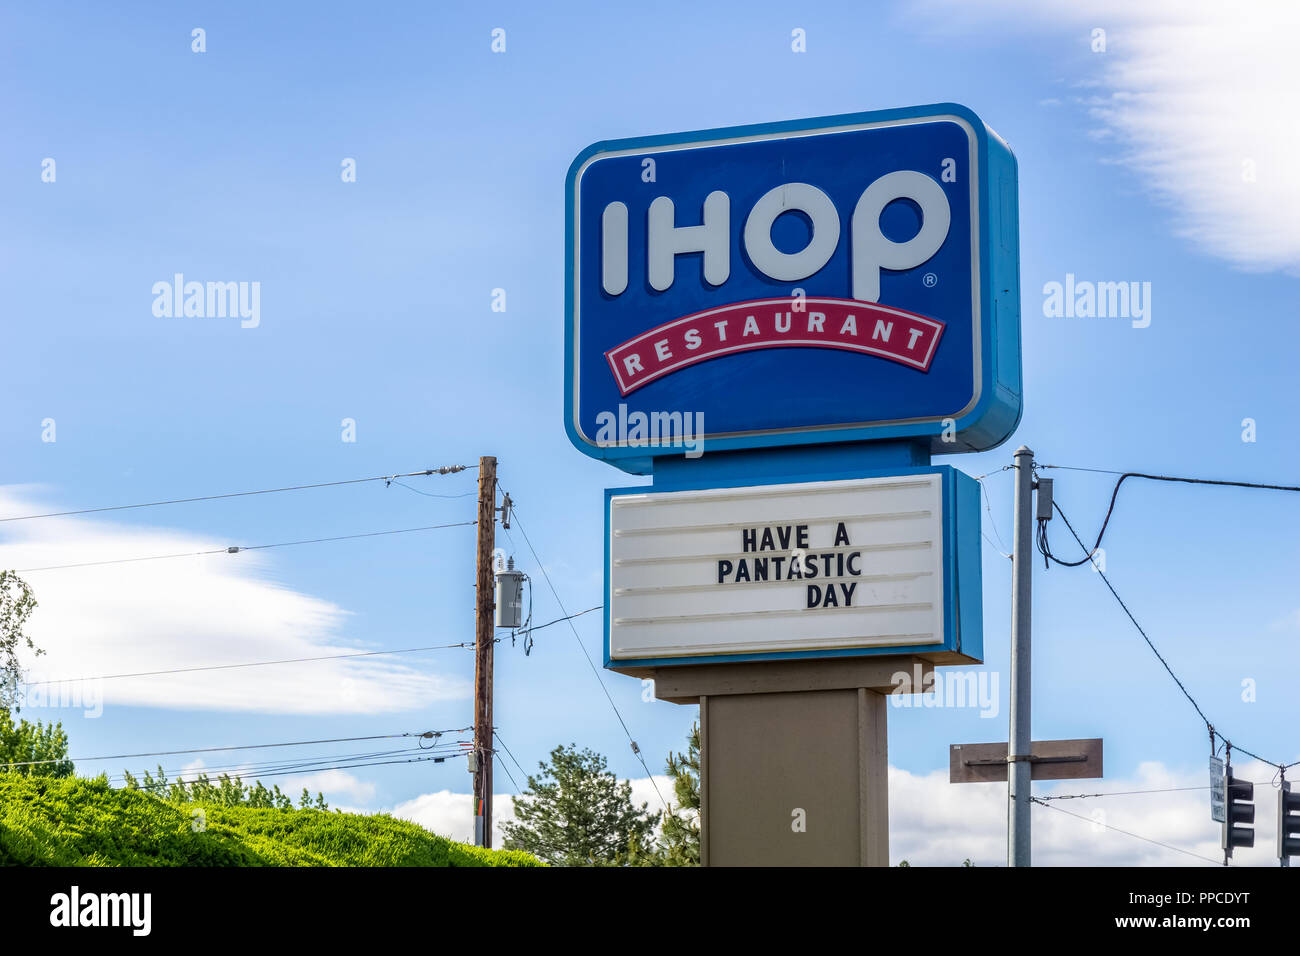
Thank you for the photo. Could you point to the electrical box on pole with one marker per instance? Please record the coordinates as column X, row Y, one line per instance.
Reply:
column 510, row 596
column 1044, row 488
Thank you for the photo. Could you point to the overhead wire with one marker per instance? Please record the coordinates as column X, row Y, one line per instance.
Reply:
column 272, row 768
column 1045, row 548
column 1136, row 836
column 378, row 763
column 507, row 750
column 218, row 667
column 196, row 750
column 236, row 549
column 305, row 764
column 429, row 494
column 443, row 470
column 1000, row 547
column 529, row 629
column 554, row 593
column 1124, row 476
column 278, row 763
column 1115, row 793
column 514, row 783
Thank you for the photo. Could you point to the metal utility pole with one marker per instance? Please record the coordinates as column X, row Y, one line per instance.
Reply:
column 1020, row 767
column 483, row 644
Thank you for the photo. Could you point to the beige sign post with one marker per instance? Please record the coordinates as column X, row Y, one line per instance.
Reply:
column 794, row 764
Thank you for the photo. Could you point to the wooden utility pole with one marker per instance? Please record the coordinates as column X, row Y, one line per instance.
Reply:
column 483, row 644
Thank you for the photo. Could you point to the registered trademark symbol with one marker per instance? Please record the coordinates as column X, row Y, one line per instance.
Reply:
column 930, row 279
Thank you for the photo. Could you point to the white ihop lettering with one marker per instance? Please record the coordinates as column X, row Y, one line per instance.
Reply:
column 792, row 266
column 871, row 250
column 666, row 240
column 613, row 249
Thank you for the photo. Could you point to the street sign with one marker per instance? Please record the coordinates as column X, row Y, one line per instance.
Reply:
column 1049, row 760
column 1218, row 790
column 833, row 280
column 809, row 569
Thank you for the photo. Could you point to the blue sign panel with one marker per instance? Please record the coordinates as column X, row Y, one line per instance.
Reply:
column 843, row 279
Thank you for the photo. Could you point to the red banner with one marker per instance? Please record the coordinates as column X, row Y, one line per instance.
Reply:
column 866, row 327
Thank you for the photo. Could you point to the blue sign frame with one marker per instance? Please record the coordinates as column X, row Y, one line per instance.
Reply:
column 963, row 594
column 994, row 409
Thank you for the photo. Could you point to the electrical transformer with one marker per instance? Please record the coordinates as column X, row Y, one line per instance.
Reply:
column 509, row 596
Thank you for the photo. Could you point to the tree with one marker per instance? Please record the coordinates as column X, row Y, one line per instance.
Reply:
column 577, row 813
column 680, row 840
column 16, row 605
column 226, row 791
column 42, row 749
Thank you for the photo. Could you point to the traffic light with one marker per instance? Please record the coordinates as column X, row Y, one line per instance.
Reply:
column 1288, row 824
column 1239, row 814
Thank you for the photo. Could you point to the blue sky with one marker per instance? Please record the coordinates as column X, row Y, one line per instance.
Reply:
column 376, row 306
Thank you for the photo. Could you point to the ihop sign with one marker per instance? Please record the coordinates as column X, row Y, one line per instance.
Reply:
column 843, row 279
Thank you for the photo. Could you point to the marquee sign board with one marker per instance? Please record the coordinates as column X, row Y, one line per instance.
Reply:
column 841, row 279
column 810, row 569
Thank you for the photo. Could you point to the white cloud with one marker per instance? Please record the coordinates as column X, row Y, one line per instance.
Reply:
column 1290, row 621
column 452, row 814
column 191, row 612
column 935, row 823
column 1200, row 95
column 645, row 792
column 333, row 784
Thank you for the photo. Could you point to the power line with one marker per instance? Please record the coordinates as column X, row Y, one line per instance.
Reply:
column 285, row 773
column 428, row 494
column 218, row 667
column 512, row 756
column 188, row 774
column 444, row 470
column 236, row 549
column 252, row 768
column 1124, row 476
column 559, row 620
column 240, row 771
column 233, row 771
column 1135, row 836
column 199, row 750
column 1000, row 547
column 513, row 782
column 1160, row 657
column 1125, row 793
column 1095, row 471
column 1116, row 793
column 550, row 584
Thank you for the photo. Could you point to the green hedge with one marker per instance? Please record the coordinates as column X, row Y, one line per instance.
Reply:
column 76, row 822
